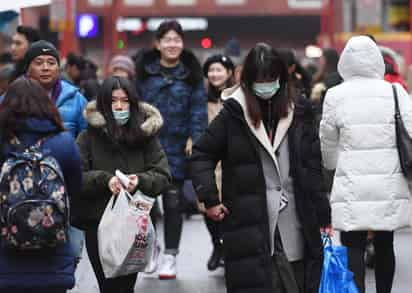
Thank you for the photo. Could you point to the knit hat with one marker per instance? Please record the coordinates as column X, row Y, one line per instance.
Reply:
column 123, row 62
column 40, row 48
column 219, row 58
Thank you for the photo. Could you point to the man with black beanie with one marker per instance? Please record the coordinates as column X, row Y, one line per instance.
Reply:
column 42, row 63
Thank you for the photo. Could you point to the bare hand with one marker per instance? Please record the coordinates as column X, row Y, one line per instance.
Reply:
column 189, row 146
column 115, row 185
column 134, row 181
column 327, row 230
column 217, row 213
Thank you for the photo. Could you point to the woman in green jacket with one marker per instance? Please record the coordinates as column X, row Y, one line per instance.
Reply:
column 121, row 135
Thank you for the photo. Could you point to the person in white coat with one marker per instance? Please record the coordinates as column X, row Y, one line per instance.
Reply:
column 358, row 140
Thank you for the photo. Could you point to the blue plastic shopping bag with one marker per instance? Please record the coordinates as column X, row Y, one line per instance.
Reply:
column 336, row 277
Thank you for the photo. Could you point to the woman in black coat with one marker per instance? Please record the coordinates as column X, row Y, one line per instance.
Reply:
column 273, row 201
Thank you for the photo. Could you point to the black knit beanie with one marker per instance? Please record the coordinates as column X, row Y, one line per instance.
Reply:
column 39, row 48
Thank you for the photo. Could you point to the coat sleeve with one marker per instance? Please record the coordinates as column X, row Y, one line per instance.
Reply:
column 319, row 194
column 95, row 182
column 156, row 176
column 207, row 152
column 198, row 111
column 329, row 133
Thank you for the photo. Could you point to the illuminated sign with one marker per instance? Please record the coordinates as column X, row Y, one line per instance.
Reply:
column 315, row 4
column 187, row 23
column 87, row 25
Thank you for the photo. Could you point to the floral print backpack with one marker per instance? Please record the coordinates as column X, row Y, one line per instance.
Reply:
column 34, row 205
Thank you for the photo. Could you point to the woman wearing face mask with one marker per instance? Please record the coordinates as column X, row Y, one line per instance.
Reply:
column 219, row 71
column 273, row 205
column 122, row 134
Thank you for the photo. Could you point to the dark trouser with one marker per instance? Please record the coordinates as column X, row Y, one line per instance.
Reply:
column 214, row 230
column 123, row 284
column 173, row 221
column 384, row 261
column 287, row 277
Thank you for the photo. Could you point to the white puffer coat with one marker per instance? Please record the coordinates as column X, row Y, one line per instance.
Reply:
column 358, row 139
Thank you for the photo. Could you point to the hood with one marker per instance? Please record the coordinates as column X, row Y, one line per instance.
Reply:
column 361, row 58
column 153, row 120
column 148, row 63
column 40, row 126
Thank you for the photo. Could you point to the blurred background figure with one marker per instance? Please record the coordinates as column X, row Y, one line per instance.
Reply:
column 89, row 83
column 122, row 66
column 300, row 78
column 6, row 77
column 75, row 64
column 21, row 41
column 219, row 71
column 233, row 50
column 326, row 77
column 392, row 71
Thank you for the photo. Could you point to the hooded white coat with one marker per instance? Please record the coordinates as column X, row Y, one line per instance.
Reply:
column 358, row 139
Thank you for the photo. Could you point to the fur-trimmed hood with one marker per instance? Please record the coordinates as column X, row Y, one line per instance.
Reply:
column 153, row 120
column 148, row 64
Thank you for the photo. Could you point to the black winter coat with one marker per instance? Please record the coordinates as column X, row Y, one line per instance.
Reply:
column 246, row 230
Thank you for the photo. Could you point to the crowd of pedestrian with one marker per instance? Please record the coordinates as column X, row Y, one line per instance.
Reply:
column 278, row 158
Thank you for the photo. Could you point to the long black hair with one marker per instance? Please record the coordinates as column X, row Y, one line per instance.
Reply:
column 264, row 63
column 131, row 133
column 26, row 98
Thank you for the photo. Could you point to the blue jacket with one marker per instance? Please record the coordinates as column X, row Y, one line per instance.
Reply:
column 180, row 96
column 51, row 268
column 70, row 103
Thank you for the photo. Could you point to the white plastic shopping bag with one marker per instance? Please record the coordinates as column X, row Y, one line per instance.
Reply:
column 126, row 235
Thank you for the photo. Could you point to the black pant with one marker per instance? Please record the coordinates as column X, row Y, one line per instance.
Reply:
column 123, row 284
column 384, row 263
column 214, row 230
column 173, row 221
column 287, row 277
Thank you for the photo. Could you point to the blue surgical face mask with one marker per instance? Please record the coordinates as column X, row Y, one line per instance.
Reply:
column 121, row 117
column 266, row 90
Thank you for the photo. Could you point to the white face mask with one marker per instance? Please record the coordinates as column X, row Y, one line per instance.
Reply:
column 121, row 117
column 266, row 90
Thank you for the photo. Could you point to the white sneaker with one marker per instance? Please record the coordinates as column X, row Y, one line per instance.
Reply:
column 167, row 269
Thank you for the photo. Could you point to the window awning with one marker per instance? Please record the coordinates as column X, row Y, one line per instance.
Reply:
column 16, row 5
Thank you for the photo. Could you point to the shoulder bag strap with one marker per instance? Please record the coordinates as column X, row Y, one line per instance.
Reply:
column 395, row 97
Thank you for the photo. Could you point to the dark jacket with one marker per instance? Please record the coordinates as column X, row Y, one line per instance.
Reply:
column 101, row 156
column 246, row 230
column 30, row 269
column 181, row 99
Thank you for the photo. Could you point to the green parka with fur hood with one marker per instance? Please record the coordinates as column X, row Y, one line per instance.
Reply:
column 101, row 155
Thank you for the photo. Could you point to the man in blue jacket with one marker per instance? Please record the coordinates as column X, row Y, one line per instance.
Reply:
column 170, row 78
column 42, row 63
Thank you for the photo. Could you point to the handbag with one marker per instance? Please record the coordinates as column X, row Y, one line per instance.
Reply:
column 126, row 236
column 403, row 140
column 336, row 277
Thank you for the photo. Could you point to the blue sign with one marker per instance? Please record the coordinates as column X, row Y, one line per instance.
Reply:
column 87, row 25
